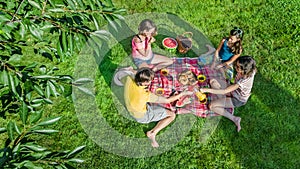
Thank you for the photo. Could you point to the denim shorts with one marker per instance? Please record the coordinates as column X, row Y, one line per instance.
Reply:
column 154, row 113
column 236, row 102
column 138, row 61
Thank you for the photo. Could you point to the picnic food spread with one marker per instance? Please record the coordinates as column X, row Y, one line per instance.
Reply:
column 177, row 79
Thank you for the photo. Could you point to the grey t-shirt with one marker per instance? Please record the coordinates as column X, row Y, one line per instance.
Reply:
column 245, row 85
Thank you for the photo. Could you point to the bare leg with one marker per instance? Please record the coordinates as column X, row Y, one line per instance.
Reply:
column 160, row 62
column 218, row 106
column 160, row 125
column 144, row 64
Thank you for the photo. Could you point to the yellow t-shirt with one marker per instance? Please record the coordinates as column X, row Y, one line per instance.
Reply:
column 136, row 98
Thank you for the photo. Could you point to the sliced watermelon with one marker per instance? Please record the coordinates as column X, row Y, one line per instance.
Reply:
column 170, row 43
column 183, row 101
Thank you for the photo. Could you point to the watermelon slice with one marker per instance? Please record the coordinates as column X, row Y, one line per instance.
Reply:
column 169, row 43
column 183, row 101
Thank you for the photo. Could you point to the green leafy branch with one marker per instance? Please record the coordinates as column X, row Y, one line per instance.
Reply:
column 69, row 24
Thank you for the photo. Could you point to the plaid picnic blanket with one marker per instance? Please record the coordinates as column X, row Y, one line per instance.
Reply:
column 170, row 85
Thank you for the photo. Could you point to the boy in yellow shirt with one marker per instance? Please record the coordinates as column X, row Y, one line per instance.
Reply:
column 137, row 98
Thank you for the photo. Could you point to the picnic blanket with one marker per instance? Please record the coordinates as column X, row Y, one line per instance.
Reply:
column 170, row 85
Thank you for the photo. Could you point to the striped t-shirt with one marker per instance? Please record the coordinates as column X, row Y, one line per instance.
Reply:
column 245, row 85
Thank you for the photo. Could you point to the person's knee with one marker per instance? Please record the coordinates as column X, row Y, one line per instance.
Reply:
column 171, row 114
column 211, row 106
column 170, row 62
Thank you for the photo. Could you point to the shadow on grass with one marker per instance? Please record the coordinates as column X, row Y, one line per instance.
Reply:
column 270, row 128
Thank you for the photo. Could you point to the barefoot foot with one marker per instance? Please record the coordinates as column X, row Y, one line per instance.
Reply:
column 237, row 122
column 151, row 136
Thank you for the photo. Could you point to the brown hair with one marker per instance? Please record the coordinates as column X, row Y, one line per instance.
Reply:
column 247, row 65
column 237, row 46
column 143, row 75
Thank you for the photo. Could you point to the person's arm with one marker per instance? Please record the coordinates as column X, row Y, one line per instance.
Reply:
column 220, row 91
column 216, row 55
column 233, row 58
column 161, row 99
column 140, row 47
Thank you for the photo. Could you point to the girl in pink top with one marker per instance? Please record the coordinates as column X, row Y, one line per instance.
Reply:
column 142, row 53
column 245, row 67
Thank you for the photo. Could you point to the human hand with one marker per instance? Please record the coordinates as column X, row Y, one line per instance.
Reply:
column 204, row 90
column 213, row 65
column 220, row 66
column 187, row 92
column 152, row 39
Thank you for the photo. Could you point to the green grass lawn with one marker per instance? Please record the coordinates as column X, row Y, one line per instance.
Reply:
column 270, row 135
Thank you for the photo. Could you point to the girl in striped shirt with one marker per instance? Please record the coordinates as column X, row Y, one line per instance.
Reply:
column 240, row 91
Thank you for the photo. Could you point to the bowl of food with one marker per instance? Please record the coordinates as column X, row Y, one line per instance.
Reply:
column 201, row 78
column 164, row 72
column 159, row 91
column 170, row 44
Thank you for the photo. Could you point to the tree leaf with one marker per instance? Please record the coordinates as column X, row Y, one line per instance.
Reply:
column 17, row 148
column 38, row 100
column 30, row 66
column 76, row 160
column 34, row 147
column 38, row 89
column 70, row 43
column 111, row 23
column 4, row 77
column 3, row 18
column 118, row 16
column 109, row 3
column 44, row 131
column 10, row 130
column 59, row 50
column 52, row 89
column 30, row 165
column 48, row 101
column 94, row 45
column 35, row 4
column 40, row 155
column 12, row 84
column 17, row 128
column 66, row 77
column 36, row 105
column 64, row 41
column 47, row 91
column 43, row 77
column 71, row 4
column 35, row 32
column 102, row 34
column 83, row 80
column 35, row 116
column 86, row 91
column 95, row 22
column 43, row 69
column 24, row 112
column 57, row 10
column 49, row 122
column 75, row 151
column 2, row 130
